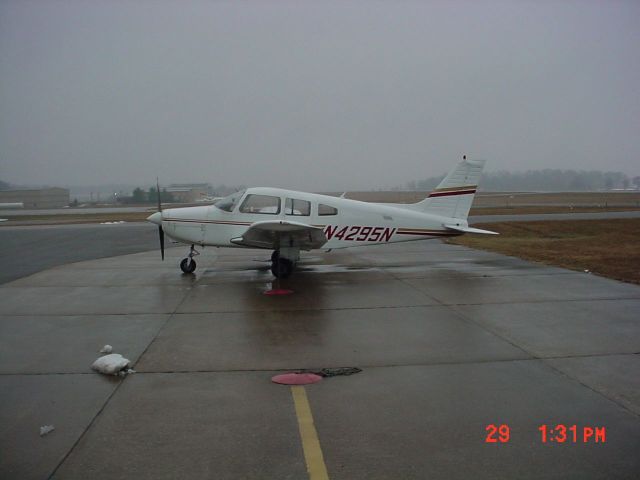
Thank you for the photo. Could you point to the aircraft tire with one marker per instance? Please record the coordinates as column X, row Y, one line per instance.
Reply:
column 186, row 267
column 282, row 268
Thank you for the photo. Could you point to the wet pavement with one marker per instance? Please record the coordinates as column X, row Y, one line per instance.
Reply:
column 450, row 340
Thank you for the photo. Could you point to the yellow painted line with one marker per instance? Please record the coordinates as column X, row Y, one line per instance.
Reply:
column 310, row 443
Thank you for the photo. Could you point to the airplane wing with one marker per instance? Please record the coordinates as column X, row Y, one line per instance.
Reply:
column 470, row 230
column 280, row 233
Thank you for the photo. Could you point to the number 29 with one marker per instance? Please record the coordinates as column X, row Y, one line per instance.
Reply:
column 497, row 434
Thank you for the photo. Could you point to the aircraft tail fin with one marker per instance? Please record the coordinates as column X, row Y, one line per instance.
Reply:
column 454, row 195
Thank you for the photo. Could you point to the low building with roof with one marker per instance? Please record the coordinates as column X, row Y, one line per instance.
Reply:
column 53, row 197
column 188, row 192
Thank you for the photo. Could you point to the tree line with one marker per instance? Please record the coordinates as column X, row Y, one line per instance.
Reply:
column 541, row 180
column 150, row 196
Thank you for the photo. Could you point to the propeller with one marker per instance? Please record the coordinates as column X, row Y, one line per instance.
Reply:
column 160, row 230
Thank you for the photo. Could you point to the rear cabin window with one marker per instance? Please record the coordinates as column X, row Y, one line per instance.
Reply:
column 326, row 210
column 265, row 204
column 297, row 207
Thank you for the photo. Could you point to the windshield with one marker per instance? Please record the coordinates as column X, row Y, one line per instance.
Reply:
column 229, row 203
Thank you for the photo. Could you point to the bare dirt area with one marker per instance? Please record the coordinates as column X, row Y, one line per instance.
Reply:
column 605, row 247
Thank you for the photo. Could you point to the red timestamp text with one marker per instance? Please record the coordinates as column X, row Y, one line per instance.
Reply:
column 572, row 434
column 558, row 433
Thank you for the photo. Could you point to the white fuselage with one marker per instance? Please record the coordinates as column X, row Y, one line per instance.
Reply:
column 354, row 222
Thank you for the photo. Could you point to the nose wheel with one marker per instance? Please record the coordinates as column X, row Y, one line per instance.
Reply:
column 188, row 265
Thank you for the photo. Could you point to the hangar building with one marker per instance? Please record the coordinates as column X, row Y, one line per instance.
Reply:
column 38, row 198
column 189, row 192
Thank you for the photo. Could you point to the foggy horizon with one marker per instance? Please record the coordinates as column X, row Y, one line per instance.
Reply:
column 328, row 96
column 488, row 176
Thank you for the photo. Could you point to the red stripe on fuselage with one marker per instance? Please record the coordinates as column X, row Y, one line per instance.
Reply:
column 447, row 194
column 219, row 222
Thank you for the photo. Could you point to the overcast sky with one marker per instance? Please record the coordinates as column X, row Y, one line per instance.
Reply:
column 314, row 95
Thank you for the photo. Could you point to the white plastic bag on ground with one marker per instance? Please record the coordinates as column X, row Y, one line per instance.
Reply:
column 106, row 349
column 110, row 364
column 46, row 429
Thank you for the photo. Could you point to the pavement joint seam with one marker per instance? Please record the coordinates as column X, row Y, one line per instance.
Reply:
column 83, row 314
column 546, row 362
column 472, row 275
column 437, row 304
column 389, row 365
column 533, row 355
column 589, row 387
column 468, row 320
column 84, row 432
column 363, row 366
column 108, row 400
column 61, row 285
column 266, row 310
column 537, row 357
column 167, row 320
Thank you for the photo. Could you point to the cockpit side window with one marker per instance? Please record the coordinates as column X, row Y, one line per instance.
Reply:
column 293, row 206
column 326, row 210
column 265, row 204
column 229, row 203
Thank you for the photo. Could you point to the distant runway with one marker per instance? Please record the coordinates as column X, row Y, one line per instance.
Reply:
column 75, row 211
column 27, row 250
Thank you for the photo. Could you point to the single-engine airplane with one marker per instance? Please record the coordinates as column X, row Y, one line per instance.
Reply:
column 287, row 221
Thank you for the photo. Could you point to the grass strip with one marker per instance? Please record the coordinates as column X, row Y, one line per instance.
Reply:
column 610, row 248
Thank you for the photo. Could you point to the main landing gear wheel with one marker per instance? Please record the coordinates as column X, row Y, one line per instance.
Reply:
column 281, row 267
column 188, row 265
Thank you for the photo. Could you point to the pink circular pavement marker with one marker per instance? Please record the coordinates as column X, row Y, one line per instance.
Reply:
column 296, row 378
column 279, row 291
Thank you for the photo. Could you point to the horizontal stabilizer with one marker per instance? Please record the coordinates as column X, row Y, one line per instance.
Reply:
column 470, row 230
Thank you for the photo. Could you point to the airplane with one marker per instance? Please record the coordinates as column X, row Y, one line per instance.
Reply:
column 287, row 221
